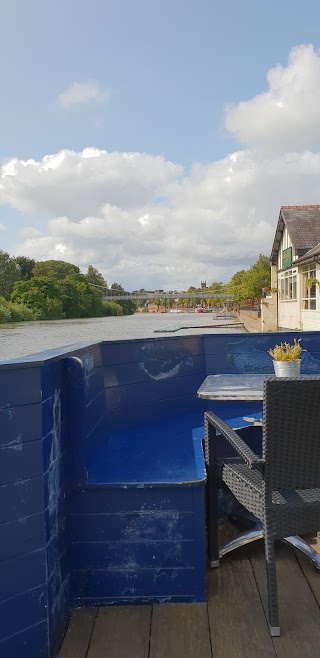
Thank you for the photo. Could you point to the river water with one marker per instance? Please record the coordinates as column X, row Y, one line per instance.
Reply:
column 20, row 339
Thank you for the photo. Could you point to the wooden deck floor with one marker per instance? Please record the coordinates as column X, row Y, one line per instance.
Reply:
column 232, row 624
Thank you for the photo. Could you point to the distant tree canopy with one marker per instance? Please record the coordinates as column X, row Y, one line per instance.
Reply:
column 248, row 284
column 9, row 273
column 26, row 267
column 55, row 269
column 56, row 289
column 95, row 278
column 50, row 298
column 128, row 306
column 244, row 285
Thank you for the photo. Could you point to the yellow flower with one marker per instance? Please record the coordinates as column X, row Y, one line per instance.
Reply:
column 287, row 352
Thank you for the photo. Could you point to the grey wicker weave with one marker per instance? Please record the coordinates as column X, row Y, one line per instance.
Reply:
column 281, row 489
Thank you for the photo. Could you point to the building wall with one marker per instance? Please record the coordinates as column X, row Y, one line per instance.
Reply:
column 284, row 244
column 288, row 311
column 310, row 320
column 269, row 313
column 288, row 315
column 291, row 314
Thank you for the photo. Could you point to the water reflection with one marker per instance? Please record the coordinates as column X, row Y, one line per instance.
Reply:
column 28, row 337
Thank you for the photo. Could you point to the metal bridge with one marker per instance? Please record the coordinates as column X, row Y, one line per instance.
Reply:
column 120, row 295
column 116, row 295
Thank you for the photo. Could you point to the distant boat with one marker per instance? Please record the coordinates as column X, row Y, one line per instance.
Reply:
column 175, row 310
column 199, row 309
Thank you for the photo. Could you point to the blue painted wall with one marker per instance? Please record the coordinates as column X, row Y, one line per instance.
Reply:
column 101, row 483
column 23, row 554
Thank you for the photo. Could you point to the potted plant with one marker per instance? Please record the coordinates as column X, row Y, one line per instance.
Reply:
column 286, row 359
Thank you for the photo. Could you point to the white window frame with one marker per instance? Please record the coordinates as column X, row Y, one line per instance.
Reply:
column 309, row 295
column 288, row 286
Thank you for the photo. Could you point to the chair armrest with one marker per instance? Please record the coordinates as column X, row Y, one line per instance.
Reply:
column 243, row 450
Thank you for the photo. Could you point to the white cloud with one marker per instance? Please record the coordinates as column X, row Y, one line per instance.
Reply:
column 216, row 219
column 2, row 228
column 77, row 184
column 145, row 222
column 83, row 93
column 286, row 117
column 29, row 232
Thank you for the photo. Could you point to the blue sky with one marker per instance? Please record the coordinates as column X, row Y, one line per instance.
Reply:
column 162, row 73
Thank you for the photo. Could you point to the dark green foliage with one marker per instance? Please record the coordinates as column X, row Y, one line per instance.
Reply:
column 55, row 269
column 40, row 294
column 4, row 311
column 20, row 312
column 26, row 266
column 96, row 279
column 111, row 308
column 128, row 305
column 9, row 273
column 248, row 284
column 10, row 312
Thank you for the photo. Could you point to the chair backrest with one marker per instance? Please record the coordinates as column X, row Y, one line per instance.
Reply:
column 291, row 433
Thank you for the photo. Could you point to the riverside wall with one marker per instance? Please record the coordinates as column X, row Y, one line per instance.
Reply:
column 251, row 320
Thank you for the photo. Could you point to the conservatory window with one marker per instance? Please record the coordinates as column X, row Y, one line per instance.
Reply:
column 309, row 299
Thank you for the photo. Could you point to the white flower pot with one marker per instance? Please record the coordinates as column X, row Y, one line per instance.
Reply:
column 287, row 368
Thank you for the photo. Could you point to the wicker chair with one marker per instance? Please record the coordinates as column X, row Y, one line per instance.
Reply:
column 281, row 489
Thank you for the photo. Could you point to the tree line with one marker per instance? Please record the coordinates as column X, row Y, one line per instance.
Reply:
column 244, row 287
column 53, row 290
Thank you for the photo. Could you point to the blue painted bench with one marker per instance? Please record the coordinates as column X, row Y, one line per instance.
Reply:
column 141, row 457
column 144, row 499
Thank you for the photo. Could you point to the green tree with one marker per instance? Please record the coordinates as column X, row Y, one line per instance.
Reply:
column 248, row 284
column 128, row 305
column 70, row 297
column 95, row 277
column 236, row 287
column 9, row 273
column 42, row 295
column 111, row 308
column 26, row 267
column 55, row 269
column 257, row 277
column 215, row 289
column 79, row 299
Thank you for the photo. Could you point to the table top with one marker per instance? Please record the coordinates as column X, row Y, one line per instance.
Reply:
column 232, row 387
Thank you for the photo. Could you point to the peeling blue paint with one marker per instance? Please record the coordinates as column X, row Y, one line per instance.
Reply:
column 7, row 409
column 15, row 444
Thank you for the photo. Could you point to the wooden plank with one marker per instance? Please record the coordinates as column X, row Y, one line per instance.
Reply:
column 298, row 610
column 310, row 572
column 120, row 632
column 180, row 630
column 237, row 621
column 78, row 635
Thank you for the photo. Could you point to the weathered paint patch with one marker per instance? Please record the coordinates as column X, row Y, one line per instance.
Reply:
column 88, row 363
column 8, row 411
column 15, row 444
